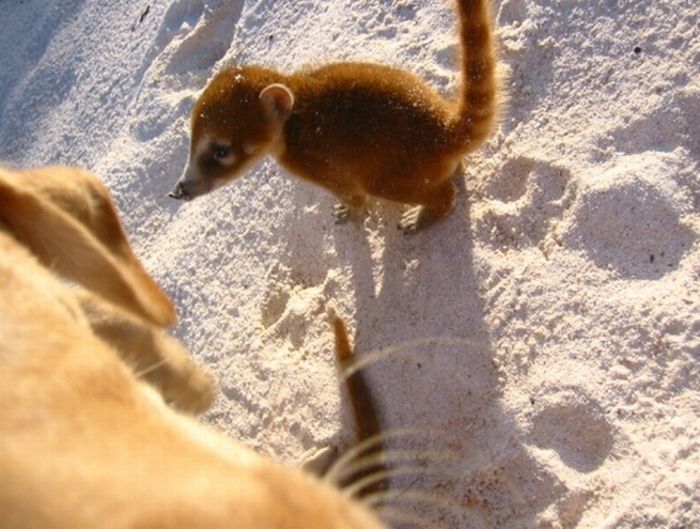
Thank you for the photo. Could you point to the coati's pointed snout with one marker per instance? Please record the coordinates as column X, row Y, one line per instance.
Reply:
column 187, row 190
column 178, row 192
column 190, row 185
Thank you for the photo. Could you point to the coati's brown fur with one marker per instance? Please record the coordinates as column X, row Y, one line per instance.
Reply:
column 355, row 129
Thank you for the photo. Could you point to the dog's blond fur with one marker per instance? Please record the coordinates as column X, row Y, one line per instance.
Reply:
column 84, row 441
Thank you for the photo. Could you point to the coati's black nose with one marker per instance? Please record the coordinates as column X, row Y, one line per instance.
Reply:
column 178, row 192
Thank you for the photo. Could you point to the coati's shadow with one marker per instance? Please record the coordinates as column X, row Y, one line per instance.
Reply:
column 411, row 287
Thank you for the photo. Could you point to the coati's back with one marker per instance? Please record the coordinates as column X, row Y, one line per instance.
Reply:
column 386, row 127
column 364, row 115
column 376, row 99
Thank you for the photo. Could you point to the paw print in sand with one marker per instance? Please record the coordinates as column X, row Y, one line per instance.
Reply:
column 525, row 201
column 577, row 430
column 633, row 219
column 192, row 37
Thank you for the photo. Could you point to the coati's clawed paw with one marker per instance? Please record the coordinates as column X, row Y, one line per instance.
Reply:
column 341, row 213
column 409, row 222
column 317, row 461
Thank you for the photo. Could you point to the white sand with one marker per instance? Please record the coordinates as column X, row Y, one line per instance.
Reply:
column 570, row 266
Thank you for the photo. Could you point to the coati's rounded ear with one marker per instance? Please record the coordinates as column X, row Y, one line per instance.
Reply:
column 278, row 101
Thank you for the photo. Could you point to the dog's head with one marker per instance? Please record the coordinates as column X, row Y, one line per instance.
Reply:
column 84, row 441
column 66, row 218
column 238, row 119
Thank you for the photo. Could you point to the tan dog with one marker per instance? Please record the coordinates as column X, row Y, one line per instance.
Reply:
column 85, row 443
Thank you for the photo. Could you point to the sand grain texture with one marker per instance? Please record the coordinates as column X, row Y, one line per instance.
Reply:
column 569, row 270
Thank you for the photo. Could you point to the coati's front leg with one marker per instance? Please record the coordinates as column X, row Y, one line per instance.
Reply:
column 433, row 205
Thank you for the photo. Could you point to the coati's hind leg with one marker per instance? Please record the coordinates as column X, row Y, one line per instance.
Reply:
column 349, row 205
column 434, row 205
column 341, row 213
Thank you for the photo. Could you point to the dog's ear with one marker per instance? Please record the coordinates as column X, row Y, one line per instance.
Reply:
column 66, row 218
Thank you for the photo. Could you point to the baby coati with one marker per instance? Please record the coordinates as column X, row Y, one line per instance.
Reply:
column 355, row 129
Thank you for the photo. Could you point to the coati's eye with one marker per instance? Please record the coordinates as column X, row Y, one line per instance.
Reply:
column 221, row 152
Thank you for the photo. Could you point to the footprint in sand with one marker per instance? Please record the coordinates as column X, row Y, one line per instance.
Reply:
column 528, row 198
column 634, row 219
column 274, row 304
column 527, row 59
column 672, row 122
column 512, row 11
column 192, row 37
column 290, row 303
column 576, row 428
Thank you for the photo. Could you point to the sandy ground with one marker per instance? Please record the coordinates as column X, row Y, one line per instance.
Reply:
column 565, row 286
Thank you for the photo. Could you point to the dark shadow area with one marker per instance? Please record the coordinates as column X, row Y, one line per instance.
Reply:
column 413, row 287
